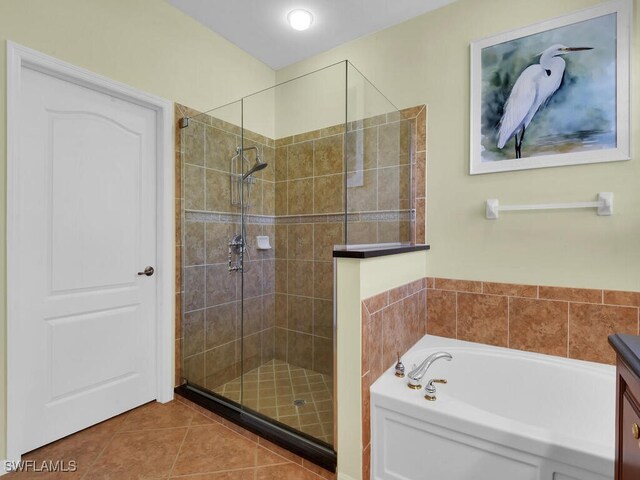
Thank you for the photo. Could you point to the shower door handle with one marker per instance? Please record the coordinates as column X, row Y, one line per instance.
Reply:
column 147, row 271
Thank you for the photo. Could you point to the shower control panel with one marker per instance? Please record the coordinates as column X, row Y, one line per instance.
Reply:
column 236, row 247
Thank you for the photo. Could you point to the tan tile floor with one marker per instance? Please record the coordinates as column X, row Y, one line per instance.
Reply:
column 174, row 440
column 272, row 389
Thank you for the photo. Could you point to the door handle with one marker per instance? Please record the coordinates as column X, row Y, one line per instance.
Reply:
column 147, row 271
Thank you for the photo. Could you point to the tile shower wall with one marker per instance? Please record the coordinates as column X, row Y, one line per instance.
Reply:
column 417, row 122
column 309, row 205
column 379, row 179
column 386, row 176
column 384, row 155
column 304, row 294
column 213, row 330
column 568, row 322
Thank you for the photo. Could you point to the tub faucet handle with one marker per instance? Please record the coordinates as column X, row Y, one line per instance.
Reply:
column 430, row 389
column 399, row 367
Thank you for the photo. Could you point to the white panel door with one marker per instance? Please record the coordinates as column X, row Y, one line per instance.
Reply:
column 87, row 197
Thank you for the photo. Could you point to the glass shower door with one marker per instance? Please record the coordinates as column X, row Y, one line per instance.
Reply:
column 211, row 219
column 299, row 127
column 246, row 339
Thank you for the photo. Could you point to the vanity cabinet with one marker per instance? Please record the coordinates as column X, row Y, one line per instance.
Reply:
column 627, row 349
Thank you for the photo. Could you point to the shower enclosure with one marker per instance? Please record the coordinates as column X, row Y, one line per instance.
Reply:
column 271, row 183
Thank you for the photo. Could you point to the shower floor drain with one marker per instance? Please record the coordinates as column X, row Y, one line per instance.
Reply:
column 299, row 402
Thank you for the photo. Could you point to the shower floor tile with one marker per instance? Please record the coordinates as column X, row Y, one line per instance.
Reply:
column 292, row 395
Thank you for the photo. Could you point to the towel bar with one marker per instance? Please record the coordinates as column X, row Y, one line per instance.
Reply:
column 604, row 204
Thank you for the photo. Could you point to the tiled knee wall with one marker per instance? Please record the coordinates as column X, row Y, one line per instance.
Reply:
column 567, row 322
column 392, row 322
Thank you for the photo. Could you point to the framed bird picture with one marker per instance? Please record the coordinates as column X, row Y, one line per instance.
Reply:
column 554, row 93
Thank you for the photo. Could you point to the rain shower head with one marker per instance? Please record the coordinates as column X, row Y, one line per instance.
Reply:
column 259, row 165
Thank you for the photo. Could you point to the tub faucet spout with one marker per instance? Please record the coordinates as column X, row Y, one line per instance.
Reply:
column 415, row 375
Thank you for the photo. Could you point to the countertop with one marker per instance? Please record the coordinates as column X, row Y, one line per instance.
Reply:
column 628, row 348
column 369, row 251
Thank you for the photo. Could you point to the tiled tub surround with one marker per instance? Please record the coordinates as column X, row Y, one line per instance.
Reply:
column 568, row 322
column 392, row 322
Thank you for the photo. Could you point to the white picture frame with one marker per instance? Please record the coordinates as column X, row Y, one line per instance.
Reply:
column 580, row 146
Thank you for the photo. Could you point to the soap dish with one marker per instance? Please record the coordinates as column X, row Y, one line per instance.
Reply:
column 263, row 242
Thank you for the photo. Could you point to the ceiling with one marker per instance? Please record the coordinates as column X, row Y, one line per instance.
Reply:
column 260, row 26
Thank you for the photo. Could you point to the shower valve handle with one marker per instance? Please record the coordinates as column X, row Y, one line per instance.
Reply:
column 236, row 245
column 232, row 268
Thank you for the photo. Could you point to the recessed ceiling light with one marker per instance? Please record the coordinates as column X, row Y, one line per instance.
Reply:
column 300, row 19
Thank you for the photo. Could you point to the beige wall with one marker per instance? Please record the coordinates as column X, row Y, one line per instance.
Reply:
column 310, row 103
column 318, row 98
column 151, row 46
column 144, row 43
column 426, row 60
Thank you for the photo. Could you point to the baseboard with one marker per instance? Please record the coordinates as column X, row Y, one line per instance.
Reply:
column 344, row 476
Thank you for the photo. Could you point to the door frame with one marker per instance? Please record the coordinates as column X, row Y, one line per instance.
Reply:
column 19, row 57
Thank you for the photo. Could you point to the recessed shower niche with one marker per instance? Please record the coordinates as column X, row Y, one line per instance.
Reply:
column 270, row 184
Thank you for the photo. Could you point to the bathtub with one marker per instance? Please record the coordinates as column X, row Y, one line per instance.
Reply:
column 503, row 415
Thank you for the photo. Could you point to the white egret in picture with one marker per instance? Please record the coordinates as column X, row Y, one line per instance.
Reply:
column 533, row 89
